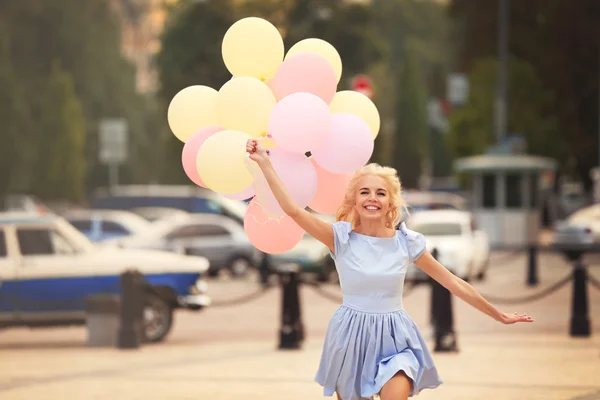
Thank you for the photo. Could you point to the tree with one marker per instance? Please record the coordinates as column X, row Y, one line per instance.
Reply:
column 190, row 55
column 15, row 119
column 472, row 126
column 561, row 40
column 85, row 37
column 417, row 30
column 60, row 166
column 347, row 26
column 411, row 123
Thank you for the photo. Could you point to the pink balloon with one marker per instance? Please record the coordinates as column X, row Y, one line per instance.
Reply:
column 270, row 235
column 243, row 195
column 331, row 189
column 305, row 72
column 298, row 176
column 348, row 146
column 300, row 122
column 190, row 151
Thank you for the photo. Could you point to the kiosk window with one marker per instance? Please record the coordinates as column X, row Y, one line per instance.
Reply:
column 3, row 251
column 514, row 192
column 533, row 191
column 489, row 190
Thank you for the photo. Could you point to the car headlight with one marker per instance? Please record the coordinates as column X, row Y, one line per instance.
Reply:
column 200, row 287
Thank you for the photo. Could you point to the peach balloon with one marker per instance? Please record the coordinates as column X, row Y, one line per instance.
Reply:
column 243, row 195
column 307, row 73
column 331, row 189
column 190, row 151
column 270, row 235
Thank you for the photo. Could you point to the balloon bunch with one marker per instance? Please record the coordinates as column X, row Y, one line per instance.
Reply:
column 291, row 104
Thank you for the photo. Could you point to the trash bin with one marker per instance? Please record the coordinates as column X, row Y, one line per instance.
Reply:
column 102, row 315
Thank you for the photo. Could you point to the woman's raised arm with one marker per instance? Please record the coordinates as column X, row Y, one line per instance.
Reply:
column 318, row 229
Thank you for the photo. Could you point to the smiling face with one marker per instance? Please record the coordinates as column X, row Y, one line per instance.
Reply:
column 372, row 198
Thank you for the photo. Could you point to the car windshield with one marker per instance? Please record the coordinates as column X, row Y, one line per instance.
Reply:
column 438, row 229
column 77, row 239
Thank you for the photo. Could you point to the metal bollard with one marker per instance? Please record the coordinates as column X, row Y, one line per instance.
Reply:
column 442, row 317
column 132, row 309
column 102, row 319
column 580, row 322
column 532, row 270
column 291, row 333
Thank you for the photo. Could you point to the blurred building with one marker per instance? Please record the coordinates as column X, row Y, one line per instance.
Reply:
column 142, row 22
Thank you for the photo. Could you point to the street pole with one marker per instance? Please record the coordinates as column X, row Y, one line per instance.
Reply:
column 113, row 177
column 501, row 109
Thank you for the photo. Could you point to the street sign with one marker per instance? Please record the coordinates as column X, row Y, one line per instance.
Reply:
column 112, row 141
column 364, row 85
column 458, row 89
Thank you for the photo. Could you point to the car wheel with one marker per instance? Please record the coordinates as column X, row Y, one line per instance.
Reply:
column 239, row 267
column 158, row 318
column 482, row 274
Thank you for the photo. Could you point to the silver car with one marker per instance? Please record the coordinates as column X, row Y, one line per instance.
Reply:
column 220, row 239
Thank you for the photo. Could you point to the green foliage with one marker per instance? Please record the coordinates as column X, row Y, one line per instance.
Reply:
column 15, row 119
column 560, row 39
column 190, row 55
column 347, row 26
column 60, row 164
column 84, row 37
column 472, row 126
column 411, row 127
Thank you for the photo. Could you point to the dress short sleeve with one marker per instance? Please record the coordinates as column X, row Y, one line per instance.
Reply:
column 341, row 236
column 415, row 243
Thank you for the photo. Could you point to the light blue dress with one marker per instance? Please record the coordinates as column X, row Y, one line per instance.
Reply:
column 371, row 337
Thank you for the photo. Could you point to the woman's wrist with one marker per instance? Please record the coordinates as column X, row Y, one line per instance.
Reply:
column 264, row 163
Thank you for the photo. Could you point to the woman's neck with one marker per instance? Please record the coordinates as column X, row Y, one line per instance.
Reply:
column 374, row 228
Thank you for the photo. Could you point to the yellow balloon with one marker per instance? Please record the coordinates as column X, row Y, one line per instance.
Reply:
column 221, row 162
column 245, row 104
column 322, row 48
column 252, row 47
column 352, row 102
column 192, row 108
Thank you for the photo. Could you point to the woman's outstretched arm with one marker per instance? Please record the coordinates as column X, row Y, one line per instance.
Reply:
column 318, row 229
column 464, row 291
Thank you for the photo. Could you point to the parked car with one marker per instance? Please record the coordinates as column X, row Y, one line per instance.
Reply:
column 22, row 203
column 220, row 239
column 154, row 214
column 99, row 225
column 48, row 269
column 192, row 199
column 309, row 256
column 418, row 200
column 582, row 226
column 462, row 247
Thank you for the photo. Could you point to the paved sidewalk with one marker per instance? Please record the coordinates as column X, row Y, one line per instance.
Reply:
column 494, row 366
column 229, row 353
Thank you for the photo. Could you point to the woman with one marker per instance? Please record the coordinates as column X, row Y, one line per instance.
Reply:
column 372, row 346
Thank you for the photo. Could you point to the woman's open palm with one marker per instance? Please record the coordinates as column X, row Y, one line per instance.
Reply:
column 509, row 319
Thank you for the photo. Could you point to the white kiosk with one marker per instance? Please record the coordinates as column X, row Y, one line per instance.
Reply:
column 505, row 196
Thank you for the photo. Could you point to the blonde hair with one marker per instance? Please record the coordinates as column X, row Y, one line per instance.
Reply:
column 347, row 211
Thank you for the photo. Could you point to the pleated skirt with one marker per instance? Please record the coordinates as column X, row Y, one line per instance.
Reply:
column 363, row 351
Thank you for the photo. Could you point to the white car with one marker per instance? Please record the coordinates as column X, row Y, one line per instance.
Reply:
column 581, row 227
column 461, row 247
column 154, row 214
column 220, row 239
column 100, row 225
column 48, row 269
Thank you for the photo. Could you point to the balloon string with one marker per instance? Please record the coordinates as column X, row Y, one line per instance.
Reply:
column 255, row 171
column 277, row 219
